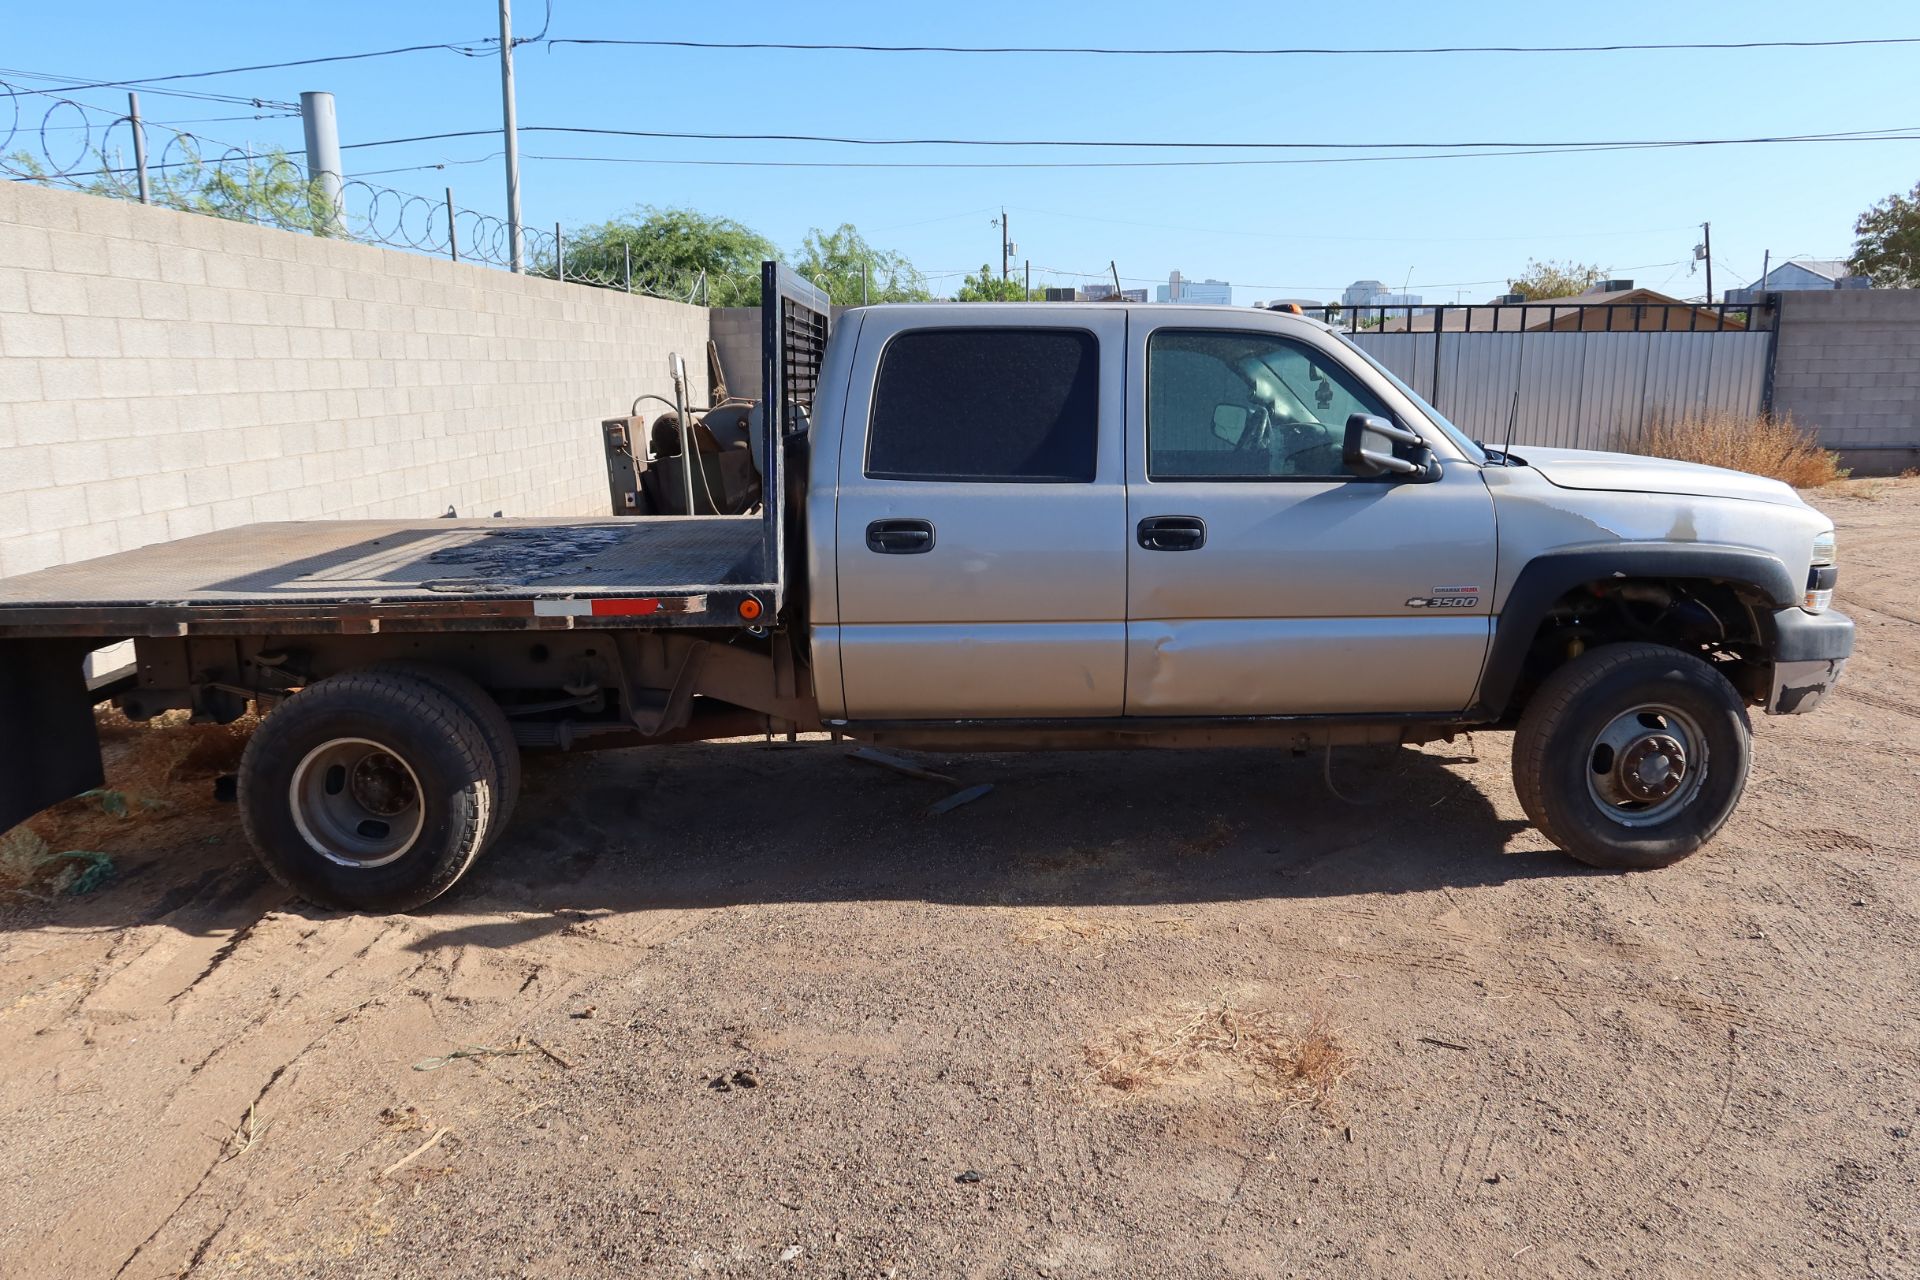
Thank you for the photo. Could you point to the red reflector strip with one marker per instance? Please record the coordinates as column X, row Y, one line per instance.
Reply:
column 627, row 607
column 624, row 608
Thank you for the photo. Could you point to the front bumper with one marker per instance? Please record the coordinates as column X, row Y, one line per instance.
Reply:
column 1810, row 650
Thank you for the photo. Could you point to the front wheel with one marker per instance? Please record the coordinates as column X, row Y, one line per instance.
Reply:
column 370, row 791
column 1632, row 755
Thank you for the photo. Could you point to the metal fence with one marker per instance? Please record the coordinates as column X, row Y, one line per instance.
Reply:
column 1586, row 375
column 53, row 141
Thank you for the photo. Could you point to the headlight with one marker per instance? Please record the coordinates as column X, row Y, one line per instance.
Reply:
column 1823, row 573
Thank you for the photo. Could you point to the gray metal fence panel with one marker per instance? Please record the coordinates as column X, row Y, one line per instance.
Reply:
column 1582, row 389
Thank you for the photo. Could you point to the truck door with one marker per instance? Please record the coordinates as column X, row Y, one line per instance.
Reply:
column 1263, row 579
column 981, row 527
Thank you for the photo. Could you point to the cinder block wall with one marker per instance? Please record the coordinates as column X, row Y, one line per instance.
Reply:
column 163, row 374
column 736, row 336
column 1848, row 366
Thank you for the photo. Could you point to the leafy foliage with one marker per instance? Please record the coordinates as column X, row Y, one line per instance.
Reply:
column 1886, row 244
column 1555, row 279
column 270, row 189
column 670, row 249
column 984, row 286
column 841, row 262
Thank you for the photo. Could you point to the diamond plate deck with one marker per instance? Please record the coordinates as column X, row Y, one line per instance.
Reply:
column 392, row 562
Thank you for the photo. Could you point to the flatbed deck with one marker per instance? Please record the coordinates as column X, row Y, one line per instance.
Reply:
column 366, row 575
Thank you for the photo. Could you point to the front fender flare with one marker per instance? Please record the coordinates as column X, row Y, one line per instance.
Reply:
column 1547, row 577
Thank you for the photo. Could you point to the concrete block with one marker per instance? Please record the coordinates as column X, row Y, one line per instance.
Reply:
column 23, row 468
column 140, row 530
column 188, row 522
column 23, row 246
column 73, row 254
column 132, row 260
column 60, row 507
column 44, row 421
column 13, row 289
column 163, row 491
column 56, row 293
column 25, row 335
column 207, row 485
column 183, row 266
column 104, row 218
column 93, row 336
column 109, row 499
column 160, row 301
column 30, row 551
column 19, row 380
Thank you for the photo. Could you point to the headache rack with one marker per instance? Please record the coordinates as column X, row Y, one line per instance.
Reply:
column 796, row 319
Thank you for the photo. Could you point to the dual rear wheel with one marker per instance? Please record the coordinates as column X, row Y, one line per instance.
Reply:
column 376, row 790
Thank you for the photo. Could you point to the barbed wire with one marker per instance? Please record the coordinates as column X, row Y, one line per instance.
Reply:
column 81, row 147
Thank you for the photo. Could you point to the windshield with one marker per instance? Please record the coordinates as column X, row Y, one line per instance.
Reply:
column 1461, row 440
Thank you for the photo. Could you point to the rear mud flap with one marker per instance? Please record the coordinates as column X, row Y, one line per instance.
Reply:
column 49, row 748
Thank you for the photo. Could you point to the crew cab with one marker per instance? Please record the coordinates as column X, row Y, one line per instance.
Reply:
column 984, row 526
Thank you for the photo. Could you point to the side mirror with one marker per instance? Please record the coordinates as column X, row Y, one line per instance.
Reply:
column 1368, row 450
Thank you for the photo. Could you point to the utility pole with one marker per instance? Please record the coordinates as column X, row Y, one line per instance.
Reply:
column 509, row 126
column 1706, row 251
column 322, row 130
column 1029, row 265
column 1006, row 243
column 1766, row 269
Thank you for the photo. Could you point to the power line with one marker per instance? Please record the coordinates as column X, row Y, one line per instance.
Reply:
column 1137, row 164
column 469, row 49
column 1230, row 52
column 1290, row 235
column 1901, row 132
column 225, row 99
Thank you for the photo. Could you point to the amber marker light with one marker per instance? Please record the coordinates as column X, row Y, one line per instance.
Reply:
column 750, row 608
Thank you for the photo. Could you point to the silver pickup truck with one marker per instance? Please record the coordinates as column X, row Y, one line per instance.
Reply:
column 981, row 527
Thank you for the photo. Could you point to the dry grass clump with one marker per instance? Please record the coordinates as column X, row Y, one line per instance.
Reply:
column 1253, row 1048
column 154, row 771
column 1765, row 446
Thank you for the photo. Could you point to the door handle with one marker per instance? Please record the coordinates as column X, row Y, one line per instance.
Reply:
column 1172, row 533
column 900, row 537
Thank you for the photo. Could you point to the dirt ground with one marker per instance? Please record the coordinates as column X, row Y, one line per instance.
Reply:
column 1182, row 1014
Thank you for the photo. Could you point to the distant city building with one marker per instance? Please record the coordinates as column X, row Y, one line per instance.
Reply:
column 1372, row 293
column 1799, row 274
column 1205, row 292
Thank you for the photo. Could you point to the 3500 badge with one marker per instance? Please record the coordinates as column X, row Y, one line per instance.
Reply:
column 1447, row 598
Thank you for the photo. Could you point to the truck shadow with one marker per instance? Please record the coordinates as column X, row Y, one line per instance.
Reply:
column 746, row 824
column 731, row 824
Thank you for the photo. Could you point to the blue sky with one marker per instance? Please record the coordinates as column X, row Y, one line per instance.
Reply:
column 1452, row 228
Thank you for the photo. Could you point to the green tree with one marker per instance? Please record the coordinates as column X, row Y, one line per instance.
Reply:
column 670, row 249
column 1886, row 242
column 270, row 188
column 852, row 271
column 1555, row 279
column 985, row 286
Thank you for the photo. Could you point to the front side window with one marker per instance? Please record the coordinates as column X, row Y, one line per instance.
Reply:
column 1018, row 405
column 1223, row 405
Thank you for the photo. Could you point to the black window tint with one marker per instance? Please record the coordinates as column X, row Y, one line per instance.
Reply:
column 987, row 404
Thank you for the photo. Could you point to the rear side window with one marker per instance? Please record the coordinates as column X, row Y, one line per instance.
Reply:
column 1017, row 405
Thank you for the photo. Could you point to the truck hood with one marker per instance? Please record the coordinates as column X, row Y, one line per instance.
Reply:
column 1632, row 473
